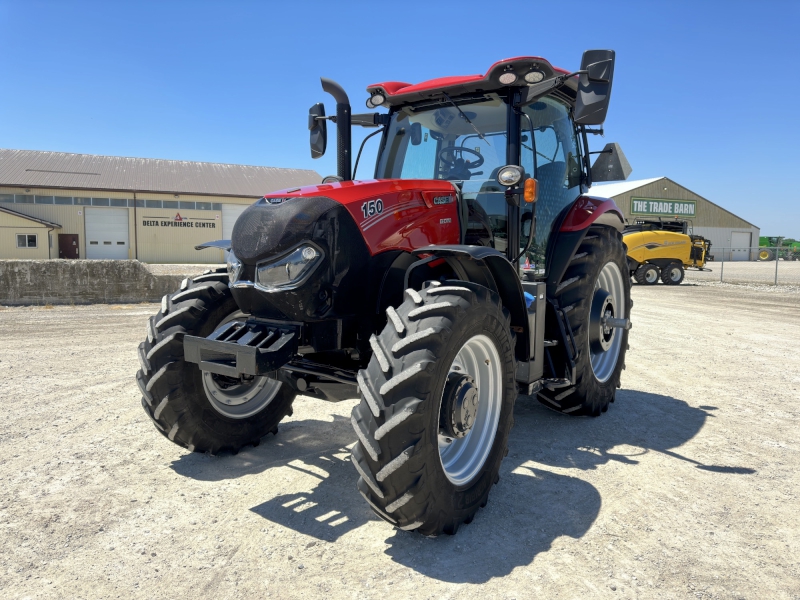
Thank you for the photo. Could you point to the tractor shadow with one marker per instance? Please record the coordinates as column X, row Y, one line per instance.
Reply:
column 531, row 506
column 528, row 510
column 329, row 505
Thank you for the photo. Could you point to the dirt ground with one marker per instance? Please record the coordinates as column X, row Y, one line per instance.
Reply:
column 687, row 487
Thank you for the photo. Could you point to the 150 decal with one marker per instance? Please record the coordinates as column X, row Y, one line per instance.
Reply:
column 371, row 208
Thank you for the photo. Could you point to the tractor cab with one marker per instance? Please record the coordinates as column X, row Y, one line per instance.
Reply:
column 522, row 113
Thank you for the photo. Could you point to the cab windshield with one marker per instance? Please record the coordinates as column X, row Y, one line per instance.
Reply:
column 443, row 142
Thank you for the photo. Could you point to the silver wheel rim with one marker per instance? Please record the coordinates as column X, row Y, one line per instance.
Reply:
column 604, row 362
column 463, row 458
column 651, row 276
column 239, row 400
column 675, row 274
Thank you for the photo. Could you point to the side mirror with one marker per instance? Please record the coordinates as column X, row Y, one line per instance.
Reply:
column 416, row 134
column 611, row 165
column 594, row 87
column 318, row 129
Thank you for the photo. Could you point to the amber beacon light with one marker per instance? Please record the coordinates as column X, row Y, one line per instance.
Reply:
column 531, row 190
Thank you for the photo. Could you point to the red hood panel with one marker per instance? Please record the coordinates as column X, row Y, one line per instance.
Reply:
column 393, row 214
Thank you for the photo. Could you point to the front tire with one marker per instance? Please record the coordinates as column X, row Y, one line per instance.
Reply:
column 594, row 286
column 195, row 409
column 442, row 369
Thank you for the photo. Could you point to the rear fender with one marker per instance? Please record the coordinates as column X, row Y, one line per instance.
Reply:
column 569, row 230
column 491, row 269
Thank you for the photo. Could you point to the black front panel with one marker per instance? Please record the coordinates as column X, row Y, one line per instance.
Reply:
column 334, row 290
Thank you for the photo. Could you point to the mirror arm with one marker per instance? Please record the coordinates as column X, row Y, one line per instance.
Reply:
column 542, row 89
column 364, row 141
column 531, row 234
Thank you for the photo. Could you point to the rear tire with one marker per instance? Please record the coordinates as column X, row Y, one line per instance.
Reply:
column 409, row 474
column 647, row 274
column 599, row 261
column 672, row 274
column 766, row 255
column 192, row 408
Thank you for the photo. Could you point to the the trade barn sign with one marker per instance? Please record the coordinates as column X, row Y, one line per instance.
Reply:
column 664, row 208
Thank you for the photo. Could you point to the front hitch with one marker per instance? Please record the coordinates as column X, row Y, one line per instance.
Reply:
column 237, row 348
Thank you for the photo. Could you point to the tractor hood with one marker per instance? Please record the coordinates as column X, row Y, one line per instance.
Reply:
column 389, row 214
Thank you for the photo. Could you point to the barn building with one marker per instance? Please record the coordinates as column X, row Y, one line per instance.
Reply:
column 732, row 238
column 61, row 205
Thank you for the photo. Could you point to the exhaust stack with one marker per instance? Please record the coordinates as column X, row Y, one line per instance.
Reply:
column 343, row 145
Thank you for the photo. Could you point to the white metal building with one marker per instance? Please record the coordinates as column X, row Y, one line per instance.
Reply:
column 62, row 205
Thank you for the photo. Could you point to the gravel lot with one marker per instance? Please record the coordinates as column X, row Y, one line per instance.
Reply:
column 687, row 487
column 749, row 272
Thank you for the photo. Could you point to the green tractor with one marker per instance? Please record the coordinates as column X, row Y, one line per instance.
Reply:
column 770, row 248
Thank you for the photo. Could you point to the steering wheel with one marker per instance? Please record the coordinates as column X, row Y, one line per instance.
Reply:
column 450, row 162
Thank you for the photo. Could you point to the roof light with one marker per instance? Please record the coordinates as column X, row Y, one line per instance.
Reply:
column 508, row 78
column 377, row 99
column 534, row 76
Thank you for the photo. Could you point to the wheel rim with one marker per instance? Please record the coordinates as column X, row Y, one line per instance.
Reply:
column 604, row 358
column 463, row 458
column 651, row 276
column 675, row 274
column 239, row 398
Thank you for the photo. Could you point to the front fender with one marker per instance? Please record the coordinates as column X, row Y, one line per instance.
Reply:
column 491, row 269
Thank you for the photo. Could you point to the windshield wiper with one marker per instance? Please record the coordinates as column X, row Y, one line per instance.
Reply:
column 466, row 118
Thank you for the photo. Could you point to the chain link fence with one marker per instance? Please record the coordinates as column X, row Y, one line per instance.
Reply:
column 773, row 265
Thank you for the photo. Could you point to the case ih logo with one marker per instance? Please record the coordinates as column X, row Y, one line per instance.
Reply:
column 442, row 199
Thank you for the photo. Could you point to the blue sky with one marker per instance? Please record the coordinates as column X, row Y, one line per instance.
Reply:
column 704, row 92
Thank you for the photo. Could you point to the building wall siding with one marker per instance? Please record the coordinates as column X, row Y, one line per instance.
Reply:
column 155, row 244
column 8, row 238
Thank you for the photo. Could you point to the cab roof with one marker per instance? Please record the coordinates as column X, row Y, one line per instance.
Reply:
column 399, row 92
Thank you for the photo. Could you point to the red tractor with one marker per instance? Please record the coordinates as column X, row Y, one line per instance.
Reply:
column 470, row 268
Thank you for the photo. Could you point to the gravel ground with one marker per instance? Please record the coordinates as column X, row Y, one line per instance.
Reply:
column 687, row 487
column 749, row 272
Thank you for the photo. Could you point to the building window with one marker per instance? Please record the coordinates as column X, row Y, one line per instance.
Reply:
column 27, row 240
column 44, row 199
column 7, row 198
column 185, row 205
column 119, row 202
column 83, row 201
column 171, row 204
column 152, row 203
column 216, row 206
column 100, row 201
column 204, row 206
column 63, row 200
column 23, row 199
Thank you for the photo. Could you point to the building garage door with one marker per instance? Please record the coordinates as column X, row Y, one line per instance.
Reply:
column 740, row 245
column 107, row 233
column 230, row 212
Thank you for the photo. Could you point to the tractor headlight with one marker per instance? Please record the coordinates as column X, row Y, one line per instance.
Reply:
column 234, row 267
column 288, row 272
